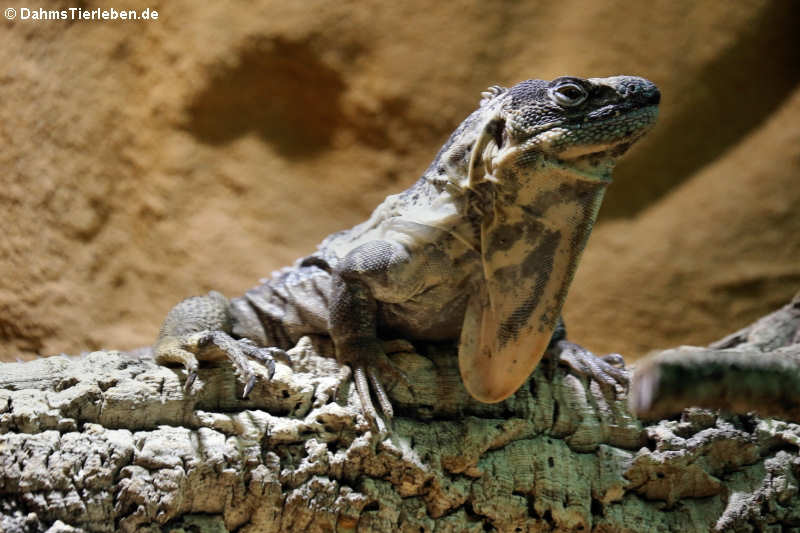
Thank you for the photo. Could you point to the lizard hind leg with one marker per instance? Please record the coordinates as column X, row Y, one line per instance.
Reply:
column 199, row 328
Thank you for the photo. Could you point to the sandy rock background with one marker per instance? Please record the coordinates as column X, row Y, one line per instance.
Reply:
column 143, row 162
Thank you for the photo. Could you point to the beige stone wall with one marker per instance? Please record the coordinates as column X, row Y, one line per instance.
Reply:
column 144, row 162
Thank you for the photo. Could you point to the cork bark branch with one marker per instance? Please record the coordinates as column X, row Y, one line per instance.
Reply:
column 756, row 369
column 111, row 442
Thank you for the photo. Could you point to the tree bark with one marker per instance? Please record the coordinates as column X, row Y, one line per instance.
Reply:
column 111, row 442
column 756, row 369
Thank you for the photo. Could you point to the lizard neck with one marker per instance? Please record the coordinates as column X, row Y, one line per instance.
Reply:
column 566, row 199
column 549, row 211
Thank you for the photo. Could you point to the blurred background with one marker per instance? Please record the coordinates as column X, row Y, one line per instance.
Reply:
column 143, row 162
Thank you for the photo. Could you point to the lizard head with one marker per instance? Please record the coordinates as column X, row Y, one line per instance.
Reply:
column 583, row 125
column 541, row 155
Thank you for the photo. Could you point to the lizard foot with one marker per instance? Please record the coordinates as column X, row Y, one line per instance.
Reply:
column 211, row 345
column 372, row 368
column 363, row 376
column 608, row 370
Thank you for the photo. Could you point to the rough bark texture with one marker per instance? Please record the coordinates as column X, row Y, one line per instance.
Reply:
column 111, row 442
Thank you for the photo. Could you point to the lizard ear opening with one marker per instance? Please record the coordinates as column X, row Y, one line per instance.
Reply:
column 480, row 169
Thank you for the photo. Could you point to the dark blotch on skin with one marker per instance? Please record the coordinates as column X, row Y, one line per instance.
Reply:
column 547, row 199
column 503, row 238
column 538, row 264
column 507, row 276
column 511, row 186
column 577, row 192
column 585, row 195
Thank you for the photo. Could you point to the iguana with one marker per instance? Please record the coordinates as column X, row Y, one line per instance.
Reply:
column 480, row 250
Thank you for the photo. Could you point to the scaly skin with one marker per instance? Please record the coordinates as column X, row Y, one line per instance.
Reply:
column 481, row 249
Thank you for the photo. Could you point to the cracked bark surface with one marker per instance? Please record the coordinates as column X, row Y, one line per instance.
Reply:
column 111, row 442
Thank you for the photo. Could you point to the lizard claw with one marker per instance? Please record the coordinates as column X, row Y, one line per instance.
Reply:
column 267, row 357
column 264, row 355
column 249, row 386
column 180, row 350
column 367, row 407
column 239, row 354
column 609, row 370
column 190, row 377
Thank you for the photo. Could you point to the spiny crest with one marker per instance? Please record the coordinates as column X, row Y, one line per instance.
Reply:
column 492, row 92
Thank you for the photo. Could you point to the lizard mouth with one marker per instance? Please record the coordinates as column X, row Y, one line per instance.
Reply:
column 597, row 152
column 606, row 135
column 618, row 129
column 594, row 150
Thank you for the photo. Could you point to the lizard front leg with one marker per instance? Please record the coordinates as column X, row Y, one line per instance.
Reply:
column 200, row 327
column 353, row 318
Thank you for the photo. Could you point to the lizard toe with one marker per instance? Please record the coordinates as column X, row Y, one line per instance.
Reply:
column 264, row 355
column 614, row 359
column 603, row 370
column 380, row 392
column 361, row 380
column 190, row 379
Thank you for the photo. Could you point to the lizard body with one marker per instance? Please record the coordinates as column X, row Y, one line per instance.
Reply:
column 482, row 248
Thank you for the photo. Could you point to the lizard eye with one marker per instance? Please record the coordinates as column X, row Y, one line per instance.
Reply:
column 568, row 94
